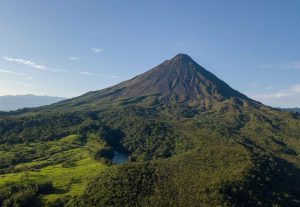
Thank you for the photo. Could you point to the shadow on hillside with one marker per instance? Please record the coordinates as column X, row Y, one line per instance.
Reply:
column 272, row 182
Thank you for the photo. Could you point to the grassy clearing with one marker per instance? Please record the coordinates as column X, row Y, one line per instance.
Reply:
column 66, row 164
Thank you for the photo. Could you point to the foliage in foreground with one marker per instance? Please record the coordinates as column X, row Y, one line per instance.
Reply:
column 214, row 158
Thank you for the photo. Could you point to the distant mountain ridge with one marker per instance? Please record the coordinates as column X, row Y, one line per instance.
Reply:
column 295, row 110
column 8, row 103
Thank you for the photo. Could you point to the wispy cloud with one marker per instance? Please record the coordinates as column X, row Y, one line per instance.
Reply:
column 73, row 58
column 32, row 64
column 58, row 70
column 86, row 73
column 288, row 65
column 288, row 97
column 269, row 87
column 26, row 62
column 256, row 85
column 98, row 75
column 274, row 95
column 10, row 72
column 290, row 91
column 7, row 71
column 96, row 50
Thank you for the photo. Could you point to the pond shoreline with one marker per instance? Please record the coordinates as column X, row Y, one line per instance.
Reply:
column 119, row 157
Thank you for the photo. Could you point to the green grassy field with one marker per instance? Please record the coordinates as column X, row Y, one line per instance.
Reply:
column 66, row 163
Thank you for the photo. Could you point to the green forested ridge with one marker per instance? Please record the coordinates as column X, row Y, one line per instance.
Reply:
column 191, row 141
column 295, row 110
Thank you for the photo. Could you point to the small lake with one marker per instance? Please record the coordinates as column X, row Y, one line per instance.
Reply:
column 119, row 157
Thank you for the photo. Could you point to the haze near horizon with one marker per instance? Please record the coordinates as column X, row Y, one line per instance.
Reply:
column 47, row 49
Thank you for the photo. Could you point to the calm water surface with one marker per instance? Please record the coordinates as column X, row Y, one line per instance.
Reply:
column 119, row 157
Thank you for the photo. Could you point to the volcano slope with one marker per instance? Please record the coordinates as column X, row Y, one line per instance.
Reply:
column 192, row 140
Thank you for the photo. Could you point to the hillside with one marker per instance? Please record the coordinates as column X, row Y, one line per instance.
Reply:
column 295, row 110
column 9, row 103
column 191, row 140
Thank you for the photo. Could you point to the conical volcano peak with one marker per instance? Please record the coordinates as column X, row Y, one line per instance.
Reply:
column 181, row 57
column 180, row 60
column 177, row 80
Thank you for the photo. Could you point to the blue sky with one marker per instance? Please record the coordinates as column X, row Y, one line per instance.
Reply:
column 66, row 48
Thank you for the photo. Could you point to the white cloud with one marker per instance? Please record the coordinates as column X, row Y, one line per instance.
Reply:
column 288, row 65
column 256, row 85
column 7, row 71
column 32, row 64
column 271, row 95
column 269, row 87
column 86, row 73
column 26, row 62
column 58, row 70
column 288, row 97
column 74, row 58
column 98, row 75
column 10, row 72
column 96, row 50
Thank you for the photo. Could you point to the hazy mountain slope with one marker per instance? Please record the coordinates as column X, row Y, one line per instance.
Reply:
column 9, row 103
column 291, row 109
column 192, row 140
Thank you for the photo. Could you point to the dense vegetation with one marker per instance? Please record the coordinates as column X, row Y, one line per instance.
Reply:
column 204, row 146
column 209, row 159
column 295, row 110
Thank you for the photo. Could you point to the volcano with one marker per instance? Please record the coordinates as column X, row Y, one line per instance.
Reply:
column 190, row 139
column 178, row 81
